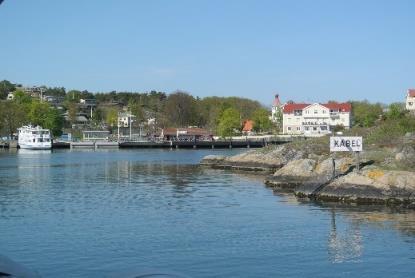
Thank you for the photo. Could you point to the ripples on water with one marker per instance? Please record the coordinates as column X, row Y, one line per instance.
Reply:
column 92, row 214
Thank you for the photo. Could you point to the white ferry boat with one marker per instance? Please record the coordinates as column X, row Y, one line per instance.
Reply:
column 34, row 138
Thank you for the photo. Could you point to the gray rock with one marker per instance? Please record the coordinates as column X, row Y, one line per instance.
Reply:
column 300, row 168
column 407, row 153
column 372, row 185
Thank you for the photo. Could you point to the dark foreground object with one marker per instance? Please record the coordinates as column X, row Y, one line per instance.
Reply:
column 9, row 268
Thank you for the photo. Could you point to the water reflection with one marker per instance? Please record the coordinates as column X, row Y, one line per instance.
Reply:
column 344, row 244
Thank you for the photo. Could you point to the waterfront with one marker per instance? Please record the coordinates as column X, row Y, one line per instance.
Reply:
column 94, row 213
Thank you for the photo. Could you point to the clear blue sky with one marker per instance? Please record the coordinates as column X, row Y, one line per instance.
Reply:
column 304, row 50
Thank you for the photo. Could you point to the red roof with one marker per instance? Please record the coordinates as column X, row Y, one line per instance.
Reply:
column 342, row 107
column 290, row 107
column 248, row 125
column 411, row 92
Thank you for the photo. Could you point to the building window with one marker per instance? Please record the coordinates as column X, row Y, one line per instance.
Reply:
column 289, row 128
column 314, row 128
column 410, row 103
column 315, row 111
column 298, row 128
column 307, row 128
column 323, row 127
column 324, row 111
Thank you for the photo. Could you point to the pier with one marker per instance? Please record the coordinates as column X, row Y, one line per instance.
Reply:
column 171, row 144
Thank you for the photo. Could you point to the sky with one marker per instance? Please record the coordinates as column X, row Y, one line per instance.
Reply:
column 306, row 51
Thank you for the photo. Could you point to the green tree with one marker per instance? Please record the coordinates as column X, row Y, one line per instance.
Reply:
column 41, row 113
column 111, row 117
column 261, row 120
column 181, row 109
column 22, row 98
column 396, row 111
column 5, row 88
column 72, row 110
column 229, row 123
column 137, row 110
column 365, row 114
column 12, row 117
column 56, row 92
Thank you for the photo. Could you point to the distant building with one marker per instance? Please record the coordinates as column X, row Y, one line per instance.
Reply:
column 316, row 118
column 186, row 134
column 34, row 91
column 410, row 100
column 248, row 127
column 88, row 102
column 95, row 135
column 125, row 119
column 54, row 100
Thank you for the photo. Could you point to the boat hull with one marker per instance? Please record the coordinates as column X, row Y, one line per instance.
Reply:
column 35, row 147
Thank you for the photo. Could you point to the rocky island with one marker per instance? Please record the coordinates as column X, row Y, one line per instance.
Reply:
column 308, row 170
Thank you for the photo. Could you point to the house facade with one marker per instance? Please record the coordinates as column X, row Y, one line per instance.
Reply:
column 316, row 118
column 410, row 100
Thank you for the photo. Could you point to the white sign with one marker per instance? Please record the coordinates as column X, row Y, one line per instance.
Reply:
column 346, row 144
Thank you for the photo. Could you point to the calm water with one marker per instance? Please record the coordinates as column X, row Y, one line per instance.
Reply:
column 94, row 214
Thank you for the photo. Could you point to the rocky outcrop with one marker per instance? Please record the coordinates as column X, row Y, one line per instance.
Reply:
column 309, row 174
column 254, row 160
column 325, row 178
column 372, row 185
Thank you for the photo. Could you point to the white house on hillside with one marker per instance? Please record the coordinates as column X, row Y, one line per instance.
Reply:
column 410, row 100
column 316, row 118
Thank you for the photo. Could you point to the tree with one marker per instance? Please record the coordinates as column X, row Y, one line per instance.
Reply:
column 111, row 117
column 181, row 109
column 396, row 111
column 11, row 116
column 261, row 120
column 365, row 114
column 229, row 123
column 72, row 110
column 5, row 88
column 137, row 110
column 56, row 92
column 22, row 98
column 41, row 113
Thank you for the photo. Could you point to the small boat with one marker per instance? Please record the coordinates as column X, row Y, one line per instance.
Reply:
column 34, row 138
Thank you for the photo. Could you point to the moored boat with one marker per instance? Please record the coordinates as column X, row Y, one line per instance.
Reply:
column 34, row 138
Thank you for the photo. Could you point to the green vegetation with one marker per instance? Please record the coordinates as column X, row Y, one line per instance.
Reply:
column 229, row 123
column 5, row 88
column 24, row 110
column 261, row 120
column 365, row 114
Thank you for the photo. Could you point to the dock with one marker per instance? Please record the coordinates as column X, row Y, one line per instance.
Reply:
column 91, row 145
column 214, row 144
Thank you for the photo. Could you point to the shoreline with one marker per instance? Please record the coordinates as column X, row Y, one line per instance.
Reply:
column 323, row 178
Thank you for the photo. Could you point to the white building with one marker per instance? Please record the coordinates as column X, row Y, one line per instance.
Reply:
column 316, row 118
column 410, row 100
column 125, row 119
